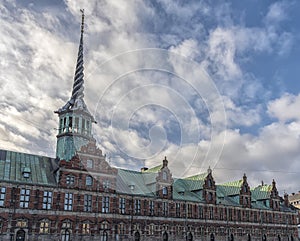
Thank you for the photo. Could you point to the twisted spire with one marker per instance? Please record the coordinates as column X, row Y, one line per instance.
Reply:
column 76, row 101
column 78, row 88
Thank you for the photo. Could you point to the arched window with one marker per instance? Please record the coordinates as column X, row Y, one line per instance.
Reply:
column 231, row 237
column 66, row 230
column 121, row 228
column 165, row 236
column 249, row 237
column 137, row 236
column 264, row 238
column 292, row 238
column 89, row 181
column 104, row 236
column 20, row 235
column 212, row 237
column 66, row 235
column 189, row 237
column 278, row 237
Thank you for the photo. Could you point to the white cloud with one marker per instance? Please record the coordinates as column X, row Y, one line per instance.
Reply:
column 38, row 54
column 285, row 108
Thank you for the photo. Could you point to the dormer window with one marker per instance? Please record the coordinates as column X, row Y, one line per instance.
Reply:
column 209, row 183
column 165, row 177
column 165, row 191
column 26, row 172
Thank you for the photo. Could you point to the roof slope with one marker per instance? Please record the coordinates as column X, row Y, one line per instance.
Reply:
column 13, row 164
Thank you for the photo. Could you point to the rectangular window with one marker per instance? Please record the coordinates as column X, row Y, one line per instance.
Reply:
column 2, row 196
column 105, row 205
column 211, row 213
column 44, row 227
column 85, row 228
column 122, row 205
column 70, row 180
column 200, row 211
column 24, row 198
column 137, row 206
column 221, row 214
column 47, row 200
column 189, row 210
column 177, row 209
column 68, row 201
column 106, row 184
column 87, row 203
column 165, row 208
column 151, row 208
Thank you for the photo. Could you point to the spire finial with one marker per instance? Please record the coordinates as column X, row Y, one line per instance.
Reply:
column 82, row 20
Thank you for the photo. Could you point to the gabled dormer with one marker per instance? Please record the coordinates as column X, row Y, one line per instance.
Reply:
column 164, row 181
column 209, row 188
column 274, row 197
column 245, row 193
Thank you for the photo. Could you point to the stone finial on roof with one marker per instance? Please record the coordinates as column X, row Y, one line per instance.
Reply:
column 209, row 170
column 165, row 162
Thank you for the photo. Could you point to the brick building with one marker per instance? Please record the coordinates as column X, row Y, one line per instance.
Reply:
column 79, row 196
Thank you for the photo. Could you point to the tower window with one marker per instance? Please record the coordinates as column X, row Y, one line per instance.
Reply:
column 70, row 124
column 82, row 126
column 64, row 125
column 88, row 127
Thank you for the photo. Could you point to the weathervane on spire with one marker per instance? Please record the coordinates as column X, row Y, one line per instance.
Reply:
column 82, row 20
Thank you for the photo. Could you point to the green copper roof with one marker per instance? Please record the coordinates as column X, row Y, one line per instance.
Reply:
column 200, row 176
column 134, row 182
column 231, row 188
column 261, row 192
column 22, row 167
column 155, row 169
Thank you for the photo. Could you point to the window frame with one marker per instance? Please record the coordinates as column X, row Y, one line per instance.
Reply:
column 68, row 201
column 24, row 197
column 47, row 200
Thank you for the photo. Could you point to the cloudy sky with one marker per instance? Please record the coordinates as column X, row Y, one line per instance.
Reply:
column 205, row 83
